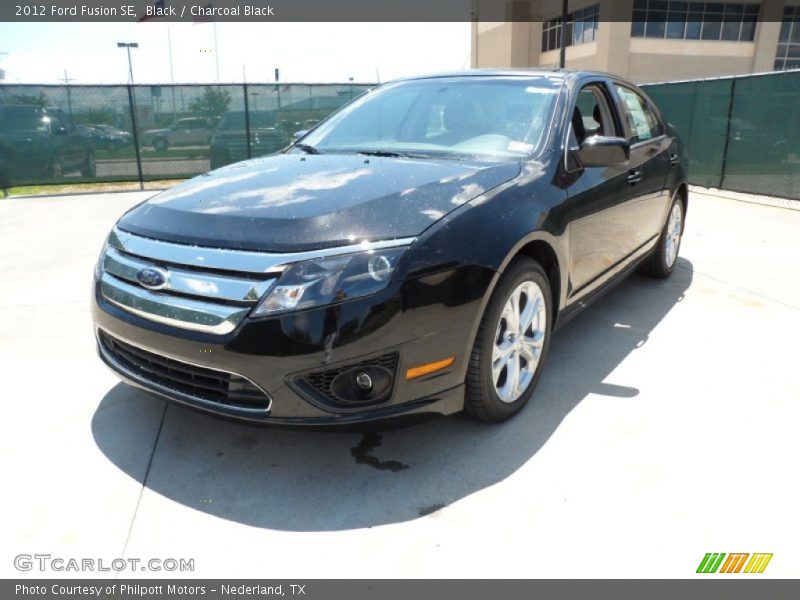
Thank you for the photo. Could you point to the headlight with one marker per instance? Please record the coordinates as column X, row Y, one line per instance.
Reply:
column 98, row 268
column 322, row 281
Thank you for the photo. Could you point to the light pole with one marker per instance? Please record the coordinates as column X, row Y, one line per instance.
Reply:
column 66, row 81
column 128, row 46
column 132, row 104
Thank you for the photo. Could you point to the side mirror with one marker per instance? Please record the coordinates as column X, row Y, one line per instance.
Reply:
column 603, row 151
column 298, row 134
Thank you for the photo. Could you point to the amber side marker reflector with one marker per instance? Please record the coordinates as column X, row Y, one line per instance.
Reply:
column 429, row 368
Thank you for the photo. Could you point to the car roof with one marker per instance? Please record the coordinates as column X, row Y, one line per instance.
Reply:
column 36, row 106
column 554, row 74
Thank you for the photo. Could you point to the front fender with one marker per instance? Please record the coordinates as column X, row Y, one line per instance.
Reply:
column 492, row 230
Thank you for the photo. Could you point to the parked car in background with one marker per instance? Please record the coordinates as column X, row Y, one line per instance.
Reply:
column 305, row 114
column 229, row 142
column 192, row 131
column 107, row 137
column 41, row 144
column 410, row 256
column 5, row 183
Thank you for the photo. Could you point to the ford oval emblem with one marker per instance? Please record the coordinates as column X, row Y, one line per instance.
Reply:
column 153, row 278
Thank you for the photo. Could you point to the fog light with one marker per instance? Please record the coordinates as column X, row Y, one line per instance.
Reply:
column 369, row 383
column 364, row 381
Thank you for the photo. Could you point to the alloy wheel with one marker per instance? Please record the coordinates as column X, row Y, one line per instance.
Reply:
column 519, row 340
column 673, row 233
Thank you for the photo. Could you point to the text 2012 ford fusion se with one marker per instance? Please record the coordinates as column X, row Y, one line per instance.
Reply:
column 410, row 256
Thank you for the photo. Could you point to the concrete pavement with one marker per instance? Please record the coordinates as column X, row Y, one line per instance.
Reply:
column 664, row 427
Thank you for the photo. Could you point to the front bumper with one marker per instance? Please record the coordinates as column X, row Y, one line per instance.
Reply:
column 419, row 320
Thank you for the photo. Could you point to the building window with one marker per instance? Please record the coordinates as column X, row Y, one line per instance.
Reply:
column 581, row 28
column 788, row 55
column 694, row 20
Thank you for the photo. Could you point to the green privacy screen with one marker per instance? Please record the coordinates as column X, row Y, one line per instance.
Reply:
column 52, row 134
column 741, row 132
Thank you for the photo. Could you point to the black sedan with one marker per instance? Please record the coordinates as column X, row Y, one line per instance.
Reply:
column 410, row 256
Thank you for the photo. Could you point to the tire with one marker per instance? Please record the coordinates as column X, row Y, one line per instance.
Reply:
column 89, row 168
column 661, row 263
column 160, row 144
column 489, row 395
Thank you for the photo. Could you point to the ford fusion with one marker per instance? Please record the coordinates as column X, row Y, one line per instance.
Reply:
column 408, row 257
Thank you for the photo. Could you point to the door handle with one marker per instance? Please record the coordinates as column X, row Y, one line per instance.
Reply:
column 634, row 176
column 674, row 159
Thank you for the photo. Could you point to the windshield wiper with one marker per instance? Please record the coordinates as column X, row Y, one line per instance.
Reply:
column 308, row 149
column 390, row 153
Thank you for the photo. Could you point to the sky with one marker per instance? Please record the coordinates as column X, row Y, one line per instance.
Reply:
column 304, row 52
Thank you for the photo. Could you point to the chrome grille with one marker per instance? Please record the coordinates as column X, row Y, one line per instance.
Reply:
column 205, row 289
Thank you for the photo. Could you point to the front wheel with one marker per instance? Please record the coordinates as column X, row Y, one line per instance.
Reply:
column 661, row 262
column 511, row 344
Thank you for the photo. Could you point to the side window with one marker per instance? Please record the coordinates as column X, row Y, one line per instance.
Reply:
column 64, row 120
column 641, row 122
column 591, row 115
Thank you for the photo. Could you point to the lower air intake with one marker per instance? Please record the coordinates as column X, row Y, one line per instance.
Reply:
column 211, row 385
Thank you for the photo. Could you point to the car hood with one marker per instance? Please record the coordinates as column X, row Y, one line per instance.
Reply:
column 155, row 131
column 293, row 202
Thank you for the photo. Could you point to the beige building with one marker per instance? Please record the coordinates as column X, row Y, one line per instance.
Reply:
column 644, row 40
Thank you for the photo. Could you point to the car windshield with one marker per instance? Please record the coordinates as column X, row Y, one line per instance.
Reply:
column 22, row 118
column 492, row 118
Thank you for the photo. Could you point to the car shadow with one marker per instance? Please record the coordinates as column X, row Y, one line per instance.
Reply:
column 299, row 480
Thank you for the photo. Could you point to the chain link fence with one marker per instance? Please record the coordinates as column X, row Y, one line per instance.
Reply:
column 56, row 134
column 741, row 132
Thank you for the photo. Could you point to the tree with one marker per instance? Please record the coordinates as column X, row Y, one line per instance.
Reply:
column 95, row 116
column 212, row 103
column 30, row 100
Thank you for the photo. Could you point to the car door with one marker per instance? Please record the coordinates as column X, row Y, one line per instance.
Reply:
column 649, row 164
column 197, row 134
column 177, row 135
column 76, row 144
column 600, row 235
column 62, row 147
